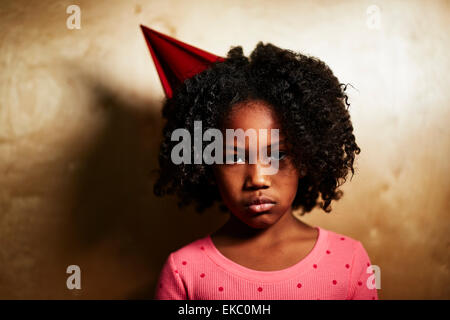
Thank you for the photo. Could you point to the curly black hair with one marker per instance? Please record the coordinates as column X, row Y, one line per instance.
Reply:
column 309, row 100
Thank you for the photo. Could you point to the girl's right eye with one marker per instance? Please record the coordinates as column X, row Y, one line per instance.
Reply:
column 239, row 159
column 234, row 159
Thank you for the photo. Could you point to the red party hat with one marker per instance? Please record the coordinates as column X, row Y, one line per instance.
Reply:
column 176, row 61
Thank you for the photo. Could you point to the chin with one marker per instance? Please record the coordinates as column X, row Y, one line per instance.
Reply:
column 263, row 221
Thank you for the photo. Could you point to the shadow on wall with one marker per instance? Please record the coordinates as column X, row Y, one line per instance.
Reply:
column 114, row 212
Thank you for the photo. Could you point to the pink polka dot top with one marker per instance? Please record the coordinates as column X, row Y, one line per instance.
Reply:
column 337, row 268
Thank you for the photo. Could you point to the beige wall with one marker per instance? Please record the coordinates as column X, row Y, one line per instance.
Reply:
column 80, row 125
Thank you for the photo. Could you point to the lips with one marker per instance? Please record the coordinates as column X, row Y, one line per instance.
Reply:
column 260, row 204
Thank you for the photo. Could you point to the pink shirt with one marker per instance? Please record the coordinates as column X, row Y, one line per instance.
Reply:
column 335, row 269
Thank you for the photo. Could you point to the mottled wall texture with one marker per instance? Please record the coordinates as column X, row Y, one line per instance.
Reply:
column 80, row 126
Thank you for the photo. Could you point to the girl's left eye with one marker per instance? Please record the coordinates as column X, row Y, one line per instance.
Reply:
column 281, row 155
column 237, row 159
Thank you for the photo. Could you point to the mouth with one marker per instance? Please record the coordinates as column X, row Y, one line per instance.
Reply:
column 260, row 204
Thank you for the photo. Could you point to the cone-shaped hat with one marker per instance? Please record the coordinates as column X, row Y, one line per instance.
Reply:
column 176, row 61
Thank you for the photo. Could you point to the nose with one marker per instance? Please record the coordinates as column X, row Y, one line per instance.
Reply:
column 254, row 177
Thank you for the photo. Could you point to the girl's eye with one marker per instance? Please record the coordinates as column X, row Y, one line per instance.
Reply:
column 238, row 159
column 234, row 158
column 281, row 155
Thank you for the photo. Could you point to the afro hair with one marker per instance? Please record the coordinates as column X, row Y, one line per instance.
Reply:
column 309, row 101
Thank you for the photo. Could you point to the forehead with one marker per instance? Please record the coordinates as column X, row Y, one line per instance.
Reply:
column 253, row 114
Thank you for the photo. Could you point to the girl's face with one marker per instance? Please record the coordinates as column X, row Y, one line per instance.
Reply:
column 240, row 183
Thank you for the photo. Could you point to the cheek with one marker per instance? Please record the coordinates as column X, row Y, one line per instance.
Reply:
column 286, row 181
column 229, row 179
column 285, row 184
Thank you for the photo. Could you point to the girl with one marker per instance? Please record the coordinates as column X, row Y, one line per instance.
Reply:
column 263, row 251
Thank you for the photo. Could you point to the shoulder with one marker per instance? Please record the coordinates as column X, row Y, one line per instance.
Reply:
column 352, row 253
column 343, row 244
column 190, row 253
column 179, row 272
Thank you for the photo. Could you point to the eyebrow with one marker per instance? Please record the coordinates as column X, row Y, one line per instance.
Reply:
column 271, row 146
